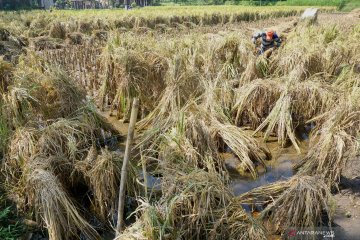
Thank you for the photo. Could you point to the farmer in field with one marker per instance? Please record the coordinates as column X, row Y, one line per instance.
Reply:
column 269, row 40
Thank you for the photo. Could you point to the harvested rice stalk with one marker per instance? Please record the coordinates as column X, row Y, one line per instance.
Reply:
column 179, row 147
column 19, row 105
column 234, row 223
column 46, row 95
column 102, row 175
column 134, row 232
column 243, row 146
column 302, row 204
column 280, row 116
column 191, row 200
column 297, row 103
column 301, row 56
column 57, row 30
column 6, row 74
column 311, row 98
column 335, row 141
column 104, row 178
column 300, row 201
column 54, row 207
column 22, row 146
column 347, row 78
column 255, row 100
column 70, row 138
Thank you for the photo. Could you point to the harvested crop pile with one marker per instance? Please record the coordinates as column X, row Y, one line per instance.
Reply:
column 45, row 42
column 199, row 206
column 52, row 153
column 299, row 202
column 10, row 46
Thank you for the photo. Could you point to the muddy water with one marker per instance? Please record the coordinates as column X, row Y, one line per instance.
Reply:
column 119, row 125
column 280, row 167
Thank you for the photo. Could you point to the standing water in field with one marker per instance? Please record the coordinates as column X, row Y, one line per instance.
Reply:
column 278, row 169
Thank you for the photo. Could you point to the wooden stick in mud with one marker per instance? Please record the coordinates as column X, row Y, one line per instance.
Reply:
column 130, row 136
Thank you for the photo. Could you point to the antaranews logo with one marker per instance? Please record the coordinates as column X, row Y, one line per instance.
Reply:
column 310, row 233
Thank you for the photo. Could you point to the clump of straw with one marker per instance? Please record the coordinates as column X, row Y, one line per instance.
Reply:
column 335, row 141
column 300, row 201
column 54, row 207
column 57, row 30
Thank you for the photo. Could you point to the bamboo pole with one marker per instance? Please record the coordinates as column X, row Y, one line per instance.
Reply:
column 130, row 136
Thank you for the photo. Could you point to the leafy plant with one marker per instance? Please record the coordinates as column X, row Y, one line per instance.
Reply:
column 9, row 231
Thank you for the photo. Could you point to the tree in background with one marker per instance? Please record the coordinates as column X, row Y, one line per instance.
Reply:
column 17, row 4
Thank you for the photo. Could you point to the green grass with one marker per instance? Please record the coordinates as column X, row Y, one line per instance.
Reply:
column 310, row 3
column 10, row 226
column 9, row 231
column 344, row 5
column 350, row 5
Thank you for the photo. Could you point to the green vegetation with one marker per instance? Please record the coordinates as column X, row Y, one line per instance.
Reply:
column 310, row 2
column 350, row 5
column 10, row 228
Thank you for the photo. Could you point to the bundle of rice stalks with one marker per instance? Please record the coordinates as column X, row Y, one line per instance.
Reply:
column 311, row 98
column 54, row 208
column 45, row 42
column 47, row 95
column 262, row 64
column 6, row 70
column 69, row 139
column 250, row 73
column 347, row 78
column 334, row 141
column 75, row 38
column 102, row 173
column 280, row 116
column 85, row 27
column 135, row 232
column 186, row 144
column 57, row 30
column 301, row 56
column 254, row 101
column 199, row 206
column 19, row 105
column 22, row 146
column 190, row 202
column 245, row 147
column 234, row 223
column 227, row 52
column 138, row 73
column 37, row 25
column 182, row 85
column 298, row 102
column 301, row 201
column 62, row 94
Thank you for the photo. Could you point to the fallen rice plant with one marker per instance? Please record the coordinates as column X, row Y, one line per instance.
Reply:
column 199, row 89
column 300, row 201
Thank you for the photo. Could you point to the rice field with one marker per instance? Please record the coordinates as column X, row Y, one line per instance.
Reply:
column 206, row 101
